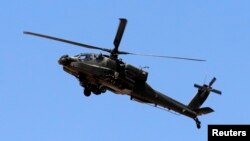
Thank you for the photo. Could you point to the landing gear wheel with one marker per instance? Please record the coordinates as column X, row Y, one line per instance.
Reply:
column 97, row 92
column 198, row 123
column 102, row 89
column 87, row 92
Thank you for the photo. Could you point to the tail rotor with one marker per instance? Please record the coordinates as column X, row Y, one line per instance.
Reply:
column 209, row 87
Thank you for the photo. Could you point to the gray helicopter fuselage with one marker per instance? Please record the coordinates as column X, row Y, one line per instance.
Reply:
column 101, row 71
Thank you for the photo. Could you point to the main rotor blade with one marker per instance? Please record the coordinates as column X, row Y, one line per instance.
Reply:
column 119, row 34
column 66, row 41
column 163, row 56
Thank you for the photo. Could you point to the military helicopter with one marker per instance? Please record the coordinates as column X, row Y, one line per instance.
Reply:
column 98, row 73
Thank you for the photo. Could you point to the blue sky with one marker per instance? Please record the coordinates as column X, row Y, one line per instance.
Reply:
column 39, row 101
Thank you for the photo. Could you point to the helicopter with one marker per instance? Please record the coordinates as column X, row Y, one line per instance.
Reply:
column 98, row 73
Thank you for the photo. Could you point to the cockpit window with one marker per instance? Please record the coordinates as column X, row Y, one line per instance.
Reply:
column 86, row 57
column 82, row 57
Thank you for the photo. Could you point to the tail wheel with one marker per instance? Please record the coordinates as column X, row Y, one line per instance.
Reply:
column 198, row 123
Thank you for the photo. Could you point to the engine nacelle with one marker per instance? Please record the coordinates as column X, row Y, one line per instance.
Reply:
column 135, row 73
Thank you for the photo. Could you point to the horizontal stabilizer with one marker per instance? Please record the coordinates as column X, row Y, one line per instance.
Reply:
column 204, row 110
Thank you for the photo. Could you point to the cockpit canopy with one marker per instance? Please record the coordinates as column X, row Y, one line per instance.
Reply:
column 88, row 56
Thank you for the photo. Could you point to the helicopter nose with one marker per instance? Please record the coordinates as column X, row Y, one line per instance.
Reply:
column 64, row 60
